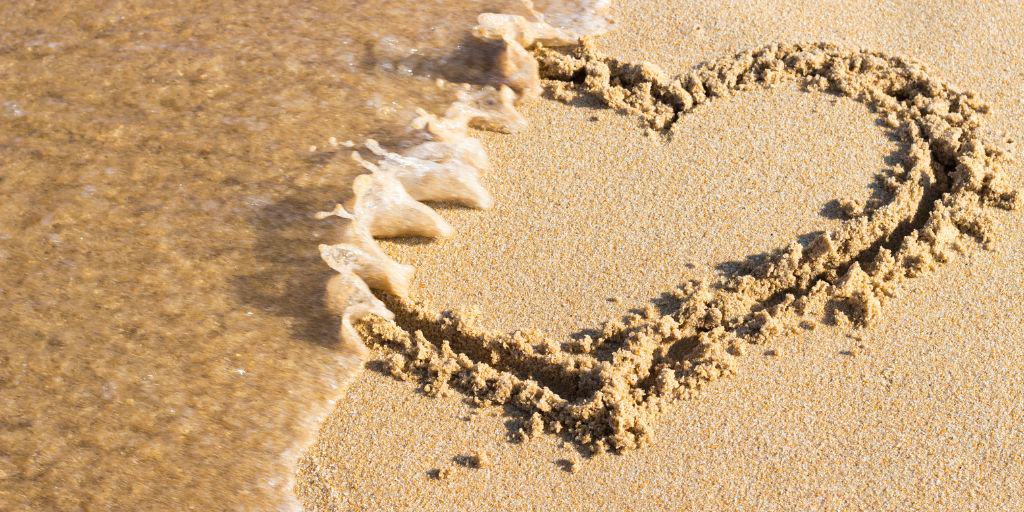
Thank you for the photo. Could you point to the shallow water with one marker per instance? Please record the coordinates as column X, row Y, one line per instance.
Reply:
column 164, row 343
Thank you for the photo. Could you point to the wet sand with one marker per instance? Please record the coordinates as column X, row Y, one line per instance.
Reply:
column 166, row 345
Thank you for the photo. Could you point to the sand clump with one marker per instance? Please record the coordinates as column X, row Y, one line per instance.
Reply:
column 480, row 460
column 603, row 392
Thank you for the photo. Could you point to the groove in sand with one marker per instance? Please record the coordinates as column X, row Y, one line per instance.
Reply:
column 603, row 392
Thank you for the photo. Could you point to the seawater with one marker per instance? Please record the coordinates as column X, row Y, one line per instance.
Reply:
column 163, row 340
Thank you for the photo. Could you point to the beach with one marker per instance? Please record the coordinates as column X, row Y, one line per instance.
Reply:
column 168, row 344
column 915, row 412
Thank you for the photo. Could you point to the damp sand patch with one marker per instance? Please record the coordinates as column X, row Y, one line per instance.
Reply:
column 603, row 391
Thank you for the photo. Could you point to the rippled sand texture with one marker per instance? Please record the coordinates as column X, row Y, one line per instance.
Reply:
column 164, row 344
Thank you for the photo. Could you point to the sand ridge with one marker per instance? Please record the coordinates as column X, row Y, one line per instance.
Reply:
column 603, row 392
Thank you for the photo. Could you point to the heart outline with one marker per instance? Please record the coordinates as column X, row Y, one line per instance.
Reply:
column 941, row 198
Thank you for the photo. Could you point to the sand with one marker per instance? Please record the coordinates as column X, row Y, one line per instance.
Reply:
column 603, row 389
column 166, row 345
column 758, row 440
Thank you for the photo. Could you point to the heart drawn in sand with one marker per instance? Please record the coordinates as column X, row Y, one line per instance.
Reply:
column 603, row 392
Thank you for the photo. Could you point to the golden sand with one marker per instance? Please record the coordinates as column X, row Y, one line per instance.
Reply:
column 165, row 345
column 604, row 390
column 881, row 430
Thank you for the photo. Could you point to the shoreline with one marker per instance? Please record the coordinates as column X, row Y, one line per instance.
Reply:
column 494, row 439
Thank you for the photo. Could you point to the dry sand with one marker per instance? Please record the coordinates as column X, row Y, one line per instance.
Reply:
column 164, row 342
column 919, row 410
